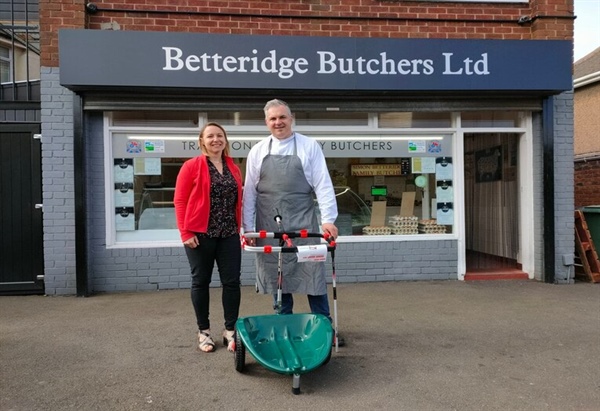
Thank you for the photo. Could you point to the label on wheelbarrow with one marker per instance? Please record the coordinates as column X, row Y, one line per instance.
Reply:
column 312, row 253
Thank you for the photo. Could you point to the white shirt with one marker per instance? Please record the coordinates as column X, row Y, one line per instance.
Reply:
column 315, row 169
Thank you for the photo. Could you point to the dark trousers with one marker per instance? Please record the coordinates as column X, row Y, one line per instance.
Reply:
column 226, row 252
column 319, row 304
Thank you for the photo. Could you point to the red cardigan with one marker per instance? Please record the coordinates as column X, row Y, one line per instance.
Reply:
column 192, row 196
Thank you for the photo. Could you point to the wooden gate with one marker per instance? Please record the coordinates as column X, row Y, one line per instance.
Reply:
column 21, row 241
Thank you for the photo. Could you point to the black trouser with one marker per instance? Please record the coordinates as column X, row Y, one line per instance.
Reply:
column 228, row 256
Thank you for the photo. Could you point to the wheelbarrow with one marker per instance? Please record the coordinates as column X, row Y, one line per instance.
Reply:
column 290, row 344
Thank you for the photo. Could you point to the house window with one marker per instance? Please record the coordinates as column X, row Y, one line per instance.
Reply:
column 5, row 64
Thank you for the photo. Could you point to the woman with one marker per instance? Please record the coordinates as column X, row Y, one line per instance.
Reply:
column 208, row 203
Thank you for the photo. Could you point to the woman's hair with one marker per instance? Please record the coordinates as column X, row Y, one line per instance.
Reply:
column 203, row 148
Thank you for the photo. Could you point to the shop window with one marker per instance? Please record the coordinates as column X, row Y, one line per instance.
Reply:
column 331, row 118
column 414, row 120
column 408, row 195
column 144, row 169
column 237, row 118
column 490, row 119
column 387, row 182
column 301, row 118
column 155, row 118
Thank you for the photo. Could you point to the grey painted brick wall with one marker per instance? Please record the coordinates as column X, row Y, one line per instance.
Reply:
column 563, row 188
column 564, row 193
column 57, row 184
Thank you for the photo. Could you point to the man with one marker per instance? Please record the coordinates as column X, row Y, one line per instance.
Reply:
column 283, row 174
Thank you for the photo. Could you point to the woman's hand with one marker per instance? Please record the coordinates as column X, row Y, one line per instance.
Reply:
column 250, row 241
column 191, row 242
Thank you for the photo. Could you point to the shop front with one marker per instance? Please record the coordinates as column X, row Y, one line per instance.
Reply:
column 435, row 147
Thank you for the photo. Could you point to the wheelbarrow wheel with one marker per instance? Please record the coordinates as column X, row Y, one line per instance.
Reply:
column 239, row 355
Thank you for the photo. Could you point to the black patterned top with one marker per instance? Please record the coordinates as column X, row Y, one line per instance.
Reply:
column 223, row 200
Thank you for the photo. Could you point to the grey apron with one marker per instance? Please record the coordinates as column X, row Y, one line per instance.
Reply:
column 283, row 190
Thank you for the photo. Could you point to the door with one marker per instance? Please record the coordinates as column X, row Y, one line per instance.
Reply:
column 491, row 202
column 21, row 242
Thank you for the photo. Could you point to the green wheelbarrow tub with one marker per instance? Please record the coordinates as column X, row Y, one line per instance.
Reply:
column 287, row 343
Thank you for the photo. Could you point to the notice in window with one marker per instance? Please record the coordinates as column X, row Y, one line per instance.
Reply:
column 423, row 165
column 124, row 195
column 443, row 168
column 124, row 219
column 417, row 146
column 144, row 166
column 123, row 170
column 445, row 214
column 444, row 192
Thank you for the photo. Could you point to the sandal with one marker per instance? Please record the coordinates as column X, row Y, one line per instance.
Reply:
column 205, row 342
column 229, row 340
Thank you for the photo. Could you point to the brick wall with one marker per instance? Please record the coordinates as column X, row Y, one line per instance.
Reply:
column 55, row 15
column 58, row 184
column 564, row 222
column 587, row 183
column 547, row 19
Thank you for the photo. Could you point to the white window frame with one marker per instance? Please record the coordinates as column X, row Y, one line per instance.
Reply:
column 259, row 132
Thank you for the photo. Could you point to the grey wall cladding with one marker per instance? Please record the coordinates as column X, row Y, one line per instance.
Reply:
column 58, row 184
column 564, row 194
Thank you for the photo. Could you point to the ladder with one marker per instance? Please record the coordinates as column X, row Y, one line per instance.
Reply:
column 585, row 249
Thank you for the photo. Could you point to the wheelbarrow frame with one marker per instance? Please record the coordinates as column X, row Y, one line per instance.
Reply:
column 291, row 344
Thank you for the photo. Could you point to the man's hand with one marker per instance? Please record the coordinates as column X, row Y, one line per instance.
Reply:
column 331, row 229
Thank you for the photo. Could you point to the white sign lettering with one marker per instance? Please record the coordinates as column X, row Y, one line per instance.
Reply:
column 328, row 63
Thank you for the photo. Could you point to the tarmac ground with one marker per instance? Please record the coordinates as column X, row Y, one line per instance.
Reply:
column 447, row 345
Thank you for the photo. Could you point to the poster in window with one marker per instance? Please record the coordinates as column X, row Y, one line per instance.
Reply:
column 124, row 219
column 123, row 170
column 445, row 213
column 444, row 191
column 488, row 164
column 147, row 166
column 423, row 165
column 124, row 195
column 443, row 168
column 405, row 166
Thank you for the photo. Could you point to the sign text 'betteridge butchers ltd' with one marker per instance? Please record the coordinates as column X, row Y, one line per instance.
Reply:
column 327, row 63
column 254, row 62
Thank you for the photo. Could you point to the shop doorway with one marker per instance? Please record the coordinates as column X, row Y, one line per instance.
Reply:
column 491, row 176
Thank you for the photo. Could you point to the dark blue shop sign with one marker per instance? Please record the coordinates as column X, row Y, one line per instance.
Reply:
column 97, row 58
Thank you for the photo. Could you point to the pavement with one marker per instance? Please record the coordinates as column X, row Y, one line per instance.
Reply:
column 447, row 345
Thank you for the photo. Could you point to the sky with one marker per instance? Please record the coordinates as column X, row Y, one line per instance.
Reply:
column 587, row 27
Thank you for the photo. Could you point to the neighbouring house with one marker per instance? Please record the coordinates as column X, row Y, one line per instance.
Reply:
column 586, row 103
